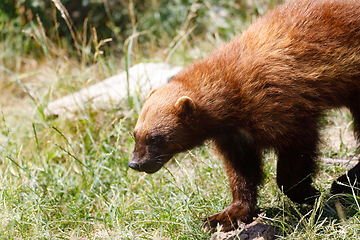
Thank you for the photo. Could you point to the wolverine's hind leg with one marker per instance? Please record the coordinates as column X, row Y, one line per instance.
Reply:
column 350, row 181
column 347, row 182
column 297, row 166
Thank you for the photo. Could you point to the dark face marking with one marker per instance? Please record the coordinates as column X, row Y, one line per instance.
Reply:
column 162, row 130
column 150, row 153
column 154, row 140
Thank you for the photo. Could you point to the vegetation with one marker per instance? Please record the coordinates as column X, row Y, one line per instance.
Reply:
column 68, row 178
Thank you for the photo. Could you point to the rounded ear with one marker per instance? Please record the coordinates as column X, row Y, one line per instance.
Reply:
column 152, row 91
column 185, row 108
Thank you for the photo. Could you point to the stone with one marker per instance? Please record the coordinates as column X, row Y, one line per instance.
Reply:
column 259, row 229
column 143, row 77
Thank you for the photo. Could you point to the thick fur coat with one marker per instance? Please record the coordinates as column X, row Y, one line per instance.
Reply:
column 265, row 89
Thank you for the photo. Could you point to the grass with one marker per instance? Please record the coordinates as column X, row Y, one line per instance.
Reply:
column 68, row 178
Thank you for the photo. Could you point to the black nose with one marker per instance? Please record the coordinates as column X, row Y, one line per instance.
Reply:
column 134, row 166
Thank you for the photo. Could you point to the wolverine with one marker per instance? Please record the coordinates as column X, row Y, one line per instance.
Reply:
column 266, row 89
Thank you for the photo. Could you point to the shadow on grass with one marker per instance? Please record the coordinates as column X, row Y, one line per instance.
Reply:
column 329, row 212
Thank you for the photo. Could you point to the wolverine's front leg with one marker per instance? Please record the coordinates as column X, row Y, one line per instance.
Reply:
column 243, row 165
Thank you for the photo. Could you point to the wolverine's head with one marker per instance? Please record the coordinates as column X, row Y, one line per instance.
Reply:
column 165, row 127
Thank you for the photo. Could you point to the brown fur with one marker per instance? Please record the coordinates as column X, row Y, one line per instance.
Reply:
column 265, row 89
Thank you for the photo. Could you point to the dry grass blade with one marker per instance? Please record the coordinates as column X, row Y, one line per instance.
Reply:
column 69, row 178
column 66, row 16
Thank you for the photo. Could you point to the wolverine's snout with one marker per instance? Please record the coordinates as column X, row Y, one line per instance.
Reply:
column 135, row 163
column 146, row 164
column 134, row 166
column 147, row 167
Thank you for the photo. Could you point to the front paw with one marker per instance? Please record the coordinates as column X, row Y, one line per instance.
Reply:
column 228, row 219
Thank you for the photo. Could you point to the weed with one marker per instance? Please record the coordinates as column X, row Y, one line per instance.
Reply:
column 68, row 178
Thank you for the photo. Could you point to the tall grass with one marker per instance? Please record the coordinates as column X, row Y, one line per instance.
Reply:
column 68, row 178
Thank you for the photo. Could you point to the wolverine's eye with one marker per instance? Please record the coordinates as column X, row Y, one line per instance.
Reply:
column 150, row 139
column 153, row 139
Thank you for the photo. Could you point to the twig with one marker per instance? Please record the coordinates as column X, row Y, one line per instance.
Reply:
column 350, row 162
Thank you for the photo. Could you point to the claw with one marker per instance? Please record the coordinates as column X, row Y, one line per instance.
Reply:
column 230, row 218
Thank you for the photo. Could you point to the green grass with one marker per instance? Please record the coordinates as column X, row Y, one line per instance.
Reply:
column 68, row 178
